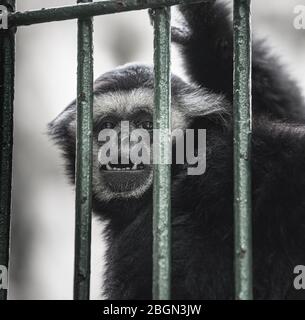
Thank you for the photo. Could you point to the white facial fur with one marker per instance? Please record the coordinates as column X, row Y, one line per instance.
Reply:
column 190, row 103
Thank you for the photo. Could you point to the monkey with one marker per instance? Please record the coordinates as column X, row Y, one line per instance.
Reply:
column 202, row 222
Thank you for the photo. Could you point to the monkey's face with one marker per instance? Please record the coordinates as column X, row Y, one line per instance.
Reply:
column 122, row 147
column 123, row 136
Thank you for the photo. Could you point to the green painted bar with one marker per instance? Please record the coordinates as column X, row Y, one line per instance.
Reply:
column 83, row 177
column 86, row 10
column 242, row 148
column 7, row 73
column 162, row 170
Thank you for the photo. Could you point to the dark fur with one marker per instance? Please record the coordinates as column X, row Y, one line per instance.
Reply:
column 202, row 206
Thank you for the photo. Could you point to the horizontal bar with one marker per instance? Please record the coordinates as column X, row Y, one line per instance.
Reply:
column 85, row 10
column 83, row 175
column 242, row 148
column 7, row 73
column 162, row 170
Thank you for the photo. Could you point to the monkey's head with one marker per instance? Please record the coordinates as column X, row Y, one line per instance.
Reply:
column 123, row 117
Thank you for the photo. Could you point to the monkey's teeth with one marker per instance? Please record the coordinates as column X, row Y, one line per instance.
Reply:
column 110, row 168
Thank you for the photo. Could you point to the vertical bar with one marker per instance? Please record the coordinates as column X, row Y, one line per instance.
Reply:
column 7, row 73
column 242, row 106
column 84, row 159
column 162, row 170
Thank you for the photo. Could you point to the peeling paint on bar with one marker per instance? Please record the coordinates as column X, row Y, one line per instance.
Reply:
column 86, row 10
column 7, row 73
column 84, row 160
column 242, row 148
column 162, row 171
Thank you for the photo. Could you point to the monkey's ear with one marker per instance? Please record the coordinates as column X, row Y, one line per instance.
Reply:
column 196, row 102
column 63, row 127
column 62, row 130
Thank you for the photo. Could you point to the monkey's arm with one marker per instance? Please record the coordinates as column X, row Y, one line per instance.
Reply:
column 207, row 47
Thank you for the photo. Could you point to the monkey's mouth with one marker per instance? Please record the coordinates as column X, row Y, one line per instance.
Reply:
column 122, row 178
column 131, row 167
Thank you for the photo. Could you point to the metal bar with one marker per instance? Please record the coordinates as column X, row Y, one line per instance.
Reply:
column 84, row 159
column 162, row 169
column 7, row 74
column 86, row 10
column 242, row 148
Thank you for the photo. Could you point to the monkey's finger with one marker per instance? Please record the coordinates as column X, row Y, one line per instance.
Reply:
column 180, row 35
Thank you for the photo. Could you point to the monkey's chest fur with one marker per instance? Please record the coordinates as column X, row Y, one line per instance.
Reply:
column 202, row 250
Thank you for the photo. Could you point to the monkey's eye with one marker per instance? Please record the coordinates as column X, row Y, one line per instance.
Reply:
column 108, row 125
column 147, row 125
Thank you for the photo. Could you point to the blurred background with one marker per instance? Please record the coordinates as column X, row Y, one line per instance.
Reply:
column 42, row 247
